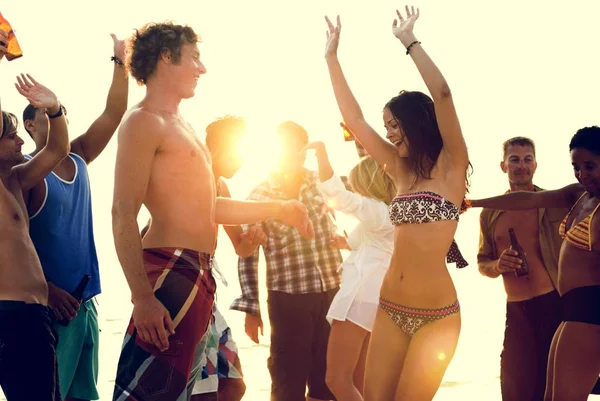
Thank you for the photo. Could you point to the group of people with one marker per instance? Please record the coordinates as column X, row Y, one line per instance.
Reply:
column 381, row 325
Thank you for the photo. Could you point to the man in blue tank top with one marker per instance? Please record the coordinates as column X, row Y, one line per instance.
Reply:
column 61, row 228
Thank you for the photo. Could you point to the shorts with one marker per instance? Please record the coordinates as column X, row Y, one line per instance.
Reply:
column 27, row 353
column 183, row 282
column 581, row 304
column 77, row 354
column 221, row 359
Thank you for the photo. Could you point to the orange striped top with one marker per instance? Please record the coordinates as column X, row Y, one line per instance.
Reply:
column 579, row 235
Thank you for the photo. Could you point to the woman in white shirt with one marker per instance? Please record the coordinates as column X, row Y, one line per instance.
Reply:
column 352, row 312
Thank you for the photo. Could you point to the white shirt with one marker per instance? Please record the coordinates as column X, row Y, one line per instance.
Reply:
column 372, row 243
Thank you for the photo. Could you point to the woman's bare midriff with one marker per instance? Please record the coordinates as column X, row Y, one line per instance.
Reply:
column 418, row 275
column 577, row 268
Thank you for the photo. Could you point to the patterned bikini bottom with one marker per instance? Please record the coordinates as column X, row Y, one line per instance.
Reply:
column 410, row 320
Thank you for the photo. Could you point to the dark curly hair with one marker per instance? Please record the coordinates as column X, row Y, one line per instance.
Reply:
column 153, row 40
column 415, row 114
column 587, row 138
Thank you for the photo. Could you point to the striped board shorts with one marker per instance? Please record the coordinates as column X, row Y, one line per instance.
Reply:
column 183, row 282
column 221, row 359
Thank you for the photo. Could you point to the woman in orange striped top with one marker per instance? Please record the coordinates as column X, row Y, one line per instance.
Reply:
column 574, row 360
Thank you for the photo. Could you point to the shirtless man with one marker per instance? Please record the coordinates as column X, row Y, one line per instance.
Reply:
column 532, row 309
column 26, row 336
column 163, row 165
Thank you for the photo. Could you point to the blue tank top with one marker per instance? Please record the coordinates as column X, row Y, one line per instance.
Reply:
column 63, row 233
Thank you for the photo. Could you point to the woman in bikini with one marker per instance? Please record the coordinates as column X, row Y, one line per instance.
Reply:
column 574, row 360
column 417, row 325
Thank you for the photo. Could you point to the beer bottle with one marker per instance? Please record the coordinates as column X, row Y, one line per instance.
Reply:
column 78, row 295
column 515, row 246
column 348, row 136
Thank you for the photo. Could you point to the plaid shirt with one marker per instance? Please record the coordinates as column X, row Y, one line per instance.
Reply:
column 294, row 265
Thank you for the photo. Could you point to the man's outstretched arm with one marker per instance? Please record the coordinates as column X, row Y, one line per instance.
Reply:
column 235, row 212
column 245, row 243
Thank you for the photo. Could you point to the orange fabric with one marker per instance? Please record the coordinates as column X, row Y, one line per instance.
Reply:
column 14, row 50
column 579, row 235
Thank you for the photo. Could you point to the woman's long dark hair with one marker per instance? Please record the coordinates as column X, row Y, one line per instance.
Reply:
column 415, row 113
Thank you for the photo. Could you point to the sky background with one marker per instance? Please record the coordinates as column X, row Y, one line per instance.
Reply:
column 525, row 68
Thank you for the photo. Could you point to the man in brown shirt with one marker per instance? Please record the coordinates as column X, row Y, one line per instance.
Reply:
column 532, row 310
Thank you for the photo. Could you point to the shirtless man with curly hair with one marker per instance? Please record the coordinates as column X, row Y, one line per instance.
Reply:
column 163, row 165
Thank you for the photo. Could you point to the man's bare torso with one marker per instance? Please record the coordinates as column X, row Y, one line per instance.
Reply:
column 526, row 226
column 181, row 191
column 21, row 275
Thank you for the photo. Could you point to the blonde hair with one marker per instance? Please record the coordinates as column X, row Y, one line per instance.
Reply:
column 370, row 180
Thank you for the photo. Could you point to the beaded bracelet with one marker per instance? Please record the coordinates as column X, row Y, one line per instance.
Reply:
column 117, row 60
column 416, row 42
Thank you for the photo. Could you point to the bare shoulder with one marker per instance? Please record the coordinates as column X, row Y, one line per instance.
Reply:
column 142, row 122
column 573, row 192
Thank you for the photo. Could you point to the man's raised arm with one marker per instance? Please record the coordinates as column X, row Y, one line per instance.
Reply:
column 57, row 146
column 94, row 140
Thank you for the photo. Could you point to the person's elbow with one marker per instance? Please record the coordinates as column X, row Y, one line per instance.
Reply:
column 122, row 211
column 482, row 269
column 443, row 93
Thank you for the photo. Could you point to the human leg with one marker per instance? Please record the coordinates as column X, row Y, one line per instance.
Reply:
column 318, row 389
column 83, row 377
column 343, row 354
column 576, row 361
column 430, row 351
column 385, row 358
column 518, row 360
column 292, row 328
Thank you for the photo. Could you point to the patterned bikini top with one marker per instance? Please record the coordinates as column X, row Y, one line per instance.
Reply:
column 428, row 207
column 579, row 235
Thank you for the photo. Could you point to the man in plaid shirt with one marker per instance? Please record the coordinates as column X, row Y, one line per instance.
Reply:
column 302, row 278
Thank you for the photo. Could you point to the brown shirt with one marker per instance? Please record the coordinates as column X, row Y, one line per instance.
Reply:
column 549, row 238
